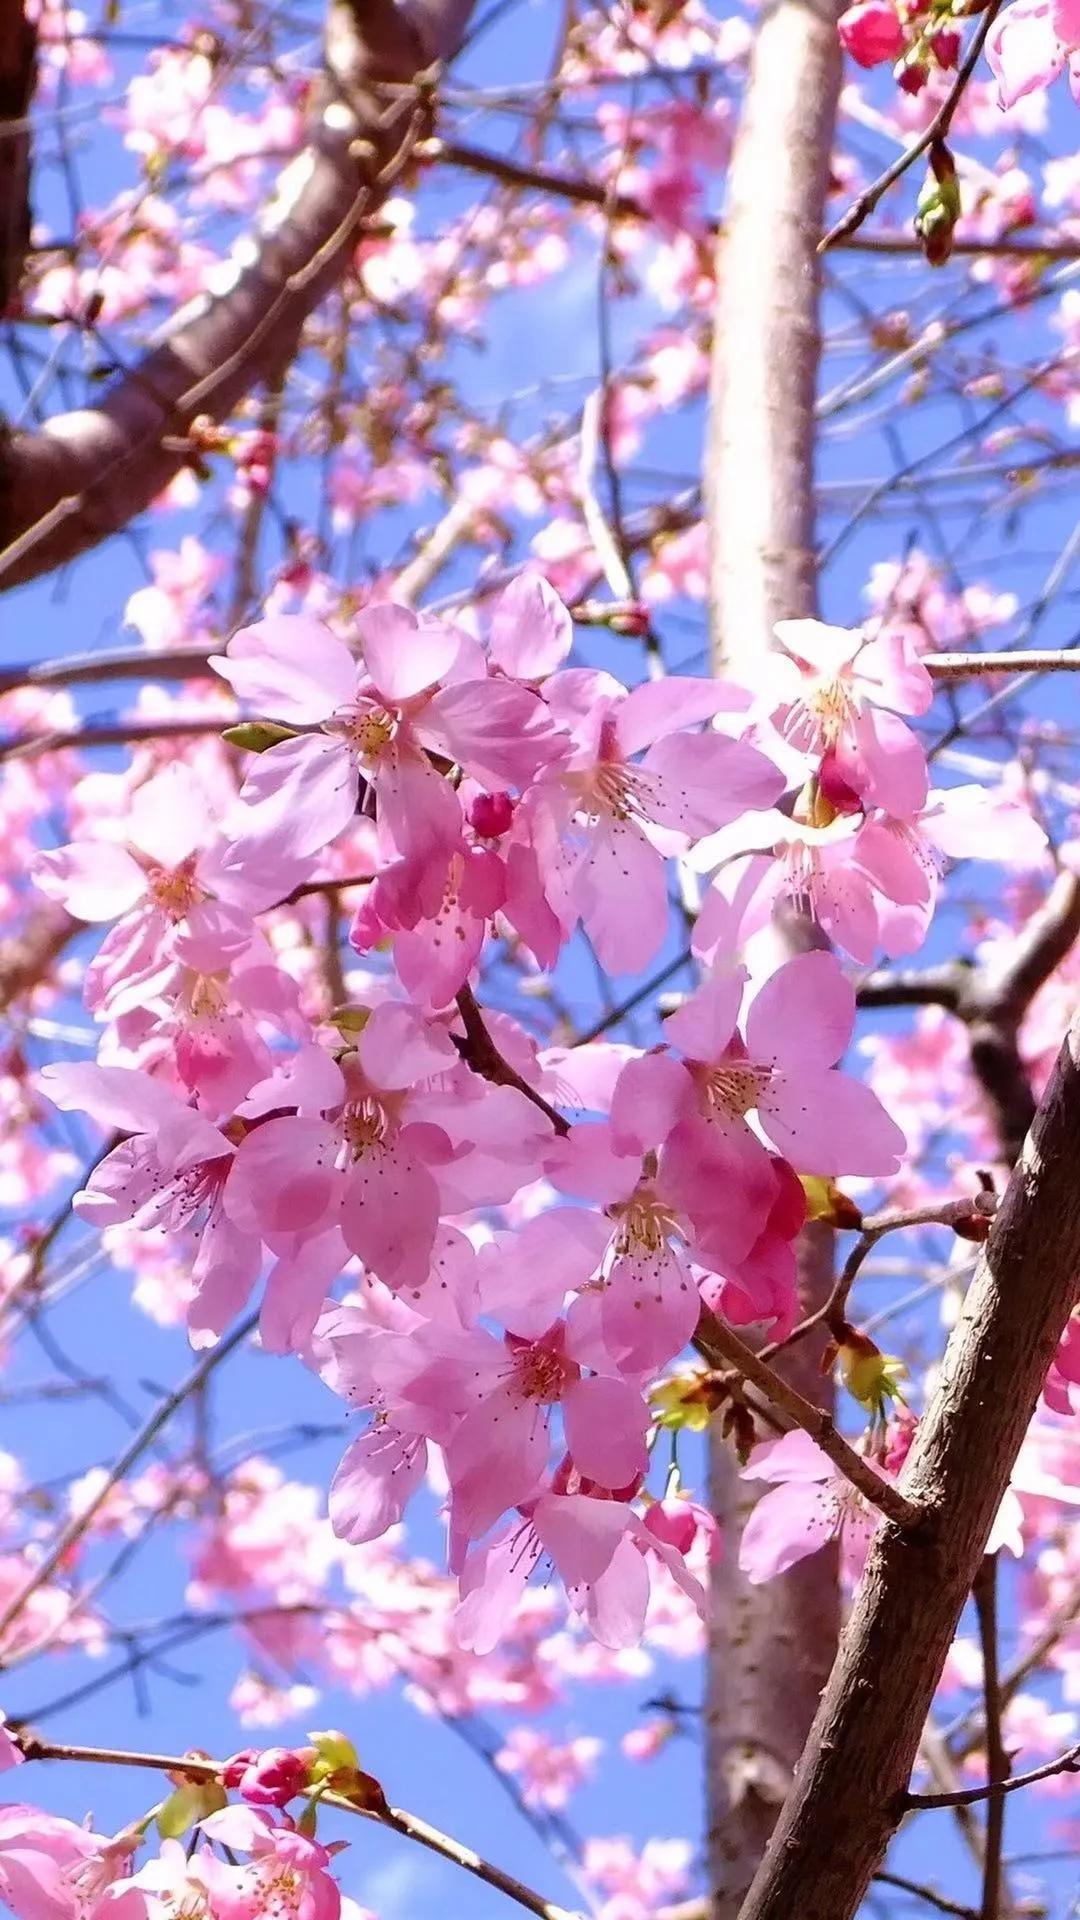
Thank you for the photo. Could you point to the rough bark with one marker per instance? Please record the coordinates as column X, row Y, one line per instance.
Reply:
column 18, row 72
column 88, row 473
column 770, row 1647
column 849, row 1794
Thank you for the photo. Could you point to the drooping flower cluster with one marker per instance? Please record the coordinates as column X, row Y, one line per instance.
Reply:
column 479, row 789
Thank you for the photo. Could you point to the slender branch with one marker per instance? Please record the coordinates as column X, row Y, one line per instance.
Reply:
column 720, row 1345
column 984, row 1594
column 936, row 130
column 120, row 663
column 88, row 473
column 122, row 733
column 70, row 1535
column 962, row 666
column 396, row 1818
column 994, row 1789
column 932, row 1898
column 950, row 1213
column 478, row 1050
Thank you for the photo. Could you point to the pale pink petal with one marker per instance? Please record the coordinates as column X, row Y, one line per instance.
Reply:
column 605, row 1422
column 403, row 654
column 531, row 631
column 492, row 1583
column 787, row 1524
column 971, row 823
column 702, row 1027
column 225, row 1271
column 649, row 1309
column 803, row 1016
column 589, row 1165
column 399, row 1046
column 298, row 796
column 499, row 731
column 894, row 664
column 619, row 890
column 826, row 649
column 116, row 1097
column 580, row 1534
column 290, row 668
column 170, row 816
column 616, row 1604
column 890, row 766
column 93, row 880
column 296, row 1290
column 794, row 1457
column 830, row 1123
column 723, row 1181
column 379, row 1472
column 283, row 1181
column 660, row 707
column 697, row 782
column 1023, row 50
column 495, row 1460
column 897, row 860
column 391, row 1213
column 652, row 1094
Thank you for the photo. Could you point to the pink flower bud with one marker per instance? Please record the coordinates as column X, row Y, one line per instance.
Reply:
column 674, row 1522
column 835, row 789
column 268, row 1779
column 912, row 77
column 945, row 44
column 491, row 814
column 871, row 32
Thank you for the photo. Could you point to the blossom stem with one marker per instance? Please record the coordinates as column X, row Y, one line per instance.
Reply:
column 936, row 130
column 720, row 1344
column 407, row 1824
column 478, row 1050
column 970, row 1796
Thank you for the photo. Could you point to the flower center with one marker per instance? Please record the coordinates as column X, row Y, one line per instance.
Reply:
column 367, row 729
column 615, row 789
column 364, row 1125
column 733, row 1090
column 540, row 1373
column 174, row 889
column 646, row 1223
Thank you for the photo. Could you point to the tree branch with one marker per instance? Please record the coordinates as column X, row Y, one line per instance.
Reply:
column 408, row 1824
column 852, row 1785
column 88, row 473
column 994, row 1789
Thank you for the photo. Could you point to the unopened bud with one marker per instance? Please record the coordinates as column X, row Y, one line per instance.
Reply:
column 870, row 1376
column 938, row 208
column 491, row 815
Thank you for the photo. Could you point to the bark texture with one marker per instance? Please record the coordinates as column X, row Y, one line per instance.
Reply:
column 771, row 1647
column 849, row 1795
column 88, row 473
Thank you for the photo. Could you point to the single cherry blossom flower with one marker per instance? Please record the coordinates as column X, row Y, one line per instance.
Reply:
column 809, row 1503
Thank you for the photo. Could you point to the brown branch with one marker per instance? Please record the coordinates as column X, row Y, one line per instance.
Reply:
column 994, row 1789
column 962, row 666
column 409, row 1825
column 88, row 473
column 851, row 1788
column 478, row 1050
column 920, row 1892
column 26, row 957
column 984, row 1594
column 721, row 1346
column 935, row 131
column 18, row 77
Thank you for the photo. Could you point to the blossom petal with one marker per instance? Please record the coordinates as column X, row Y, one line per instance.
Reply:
column 289, row 667
column 803, row 1016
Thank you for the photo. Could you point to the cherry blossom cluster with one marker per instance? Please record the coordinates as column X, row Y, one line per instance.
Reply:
column 517, row 1280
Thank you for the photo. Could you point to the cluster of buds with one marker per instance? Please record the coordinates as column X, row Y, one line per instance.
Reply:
column 918, row 36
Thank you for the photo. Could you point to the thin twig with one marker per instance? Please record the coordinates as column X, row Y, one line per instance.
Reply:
column 478, row 1050
column 719, row 1344
column 970, row 1796
column 984, row 1594
column 937, row 130
column 396, row 1818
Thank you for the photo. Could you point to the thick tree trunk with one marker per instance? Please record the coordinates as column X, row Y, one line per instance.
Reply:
column 849, row 1797
column 771, row 1647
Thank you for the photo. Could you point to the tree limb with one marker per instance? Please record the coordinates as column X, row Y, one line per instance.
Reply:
column 88, row 473
column 852, row 1785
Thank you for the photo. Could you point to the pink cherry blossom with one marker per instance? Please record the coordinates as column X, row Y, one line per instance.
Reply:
column 845, row 700
column 871, row 32
column 809, row 1503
